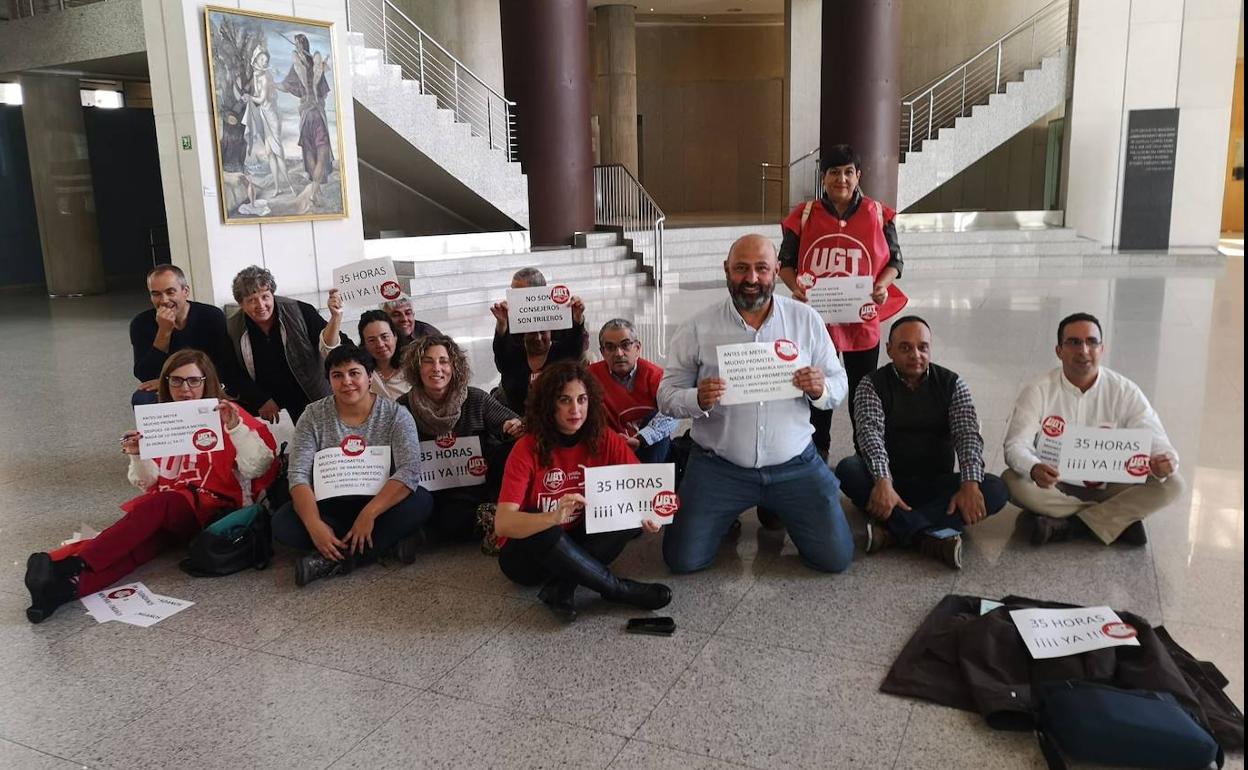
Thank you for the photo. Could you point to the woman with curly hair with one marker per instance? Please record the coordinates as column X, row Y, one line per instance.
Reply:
column 541, row 506
column 446, row 408
column 181, row 494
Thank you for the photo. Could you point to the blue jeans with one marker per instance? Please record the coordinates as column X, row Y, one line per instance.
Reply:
column 802, row 491
column 656, row 453
column 927, row 496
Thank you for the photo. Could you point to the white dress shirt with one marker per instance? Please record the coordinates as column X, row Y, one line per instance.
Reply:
column 1113, row 401
column 754, row 435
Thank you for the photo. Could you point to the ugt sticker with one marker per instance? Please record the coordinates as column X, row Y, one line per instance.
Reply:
column 665, row 504
column 204, row 438
column 1119, row 630
column 353, row 446
column 560, row 294
column 445, row 441
column 391, row 290
column 786, row 350
column 477, row 466
column 1137, row 465
column 1053, row 426
column 554, row 479
column 806, row 280
column 868, row 311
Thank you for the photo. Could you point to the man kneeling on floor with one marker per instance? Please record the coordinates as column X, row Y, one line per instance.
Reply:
column 1083, row 393
column 351, row 526
column 912, row 418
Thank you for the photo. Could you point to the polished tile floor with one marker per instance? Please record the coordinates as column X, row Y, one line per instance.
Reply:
column 445, row 664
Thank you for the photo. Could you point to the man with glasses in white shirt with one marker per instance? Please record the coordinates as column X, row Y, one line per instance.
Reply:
column 757, row 453
column 1083, row 393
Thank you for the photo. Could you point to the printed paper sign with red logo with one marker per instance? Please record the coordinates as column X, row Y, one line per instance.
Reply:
column 132, row 603
column 1057, row 633
column 177, row 428
column 622, row 496
column 1118, row 455
column 841, row 300
column 457, row 463
column 366, row 284
column 760, row 371
column 351, row 468
column 539, row 308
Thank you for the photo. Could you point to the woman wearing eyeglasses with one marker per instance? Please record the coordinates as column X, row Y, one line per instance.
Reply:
column 182, row 495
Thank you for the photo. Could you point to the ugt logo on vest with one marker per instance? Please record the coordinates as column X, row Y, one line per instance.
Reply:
column 806, row 280
column 554, row 479
column 391, row 290
column 445, row 441
column 1138, row 465
column 665, row 504
column 353, row 446
column 836, row 254
column 204, row 438
column 560, row 294
column 1053, row 426
column 786, row 350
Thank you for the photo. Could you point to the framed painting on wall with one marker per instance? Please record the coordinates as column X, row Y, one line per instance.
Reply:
column 276, row 118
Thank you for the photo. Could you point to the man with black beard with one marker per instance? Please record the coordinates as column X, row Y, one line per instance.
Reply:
column 754, row 454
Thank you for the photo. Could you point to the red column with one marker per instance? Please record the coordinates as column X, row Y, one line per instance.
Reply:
column 546, row 71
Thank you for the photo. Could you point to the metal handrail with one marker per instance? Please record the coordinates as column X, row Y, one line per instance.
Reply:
column 952, row 95
column 785, row 171
column 31, row 8
column 620, row 201
column 438, row 72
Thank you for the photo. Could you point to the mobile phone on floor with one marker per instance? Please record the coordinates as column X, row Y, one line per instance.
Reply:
column 659, row 626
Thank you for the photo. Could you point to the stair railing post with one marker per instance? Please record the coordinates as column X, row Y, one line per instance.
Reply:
column 455, row 78
column 962, row 108
column 997, row 87
column 910, row 140
column 420, row 58
column 385, row 33
column 489, row 121
column 931, row 109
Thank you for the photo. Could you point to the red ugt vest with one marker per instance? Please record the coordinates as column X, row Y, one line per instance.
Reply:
column 832, row 247
column 627, row 412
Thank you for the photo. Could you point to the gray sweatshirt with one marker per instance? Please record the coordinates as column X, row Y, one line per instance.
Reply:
column 388, row 424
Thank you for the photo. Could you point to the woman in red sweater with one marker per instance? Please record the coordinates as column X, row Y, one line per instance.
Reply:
column 541, row 506
column 182, row 495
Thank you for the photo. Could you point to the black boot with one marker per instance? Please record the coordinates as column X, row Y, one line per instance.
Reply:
column 568, row 560
column 560, row 596
column 51, row 584
column 313, row 566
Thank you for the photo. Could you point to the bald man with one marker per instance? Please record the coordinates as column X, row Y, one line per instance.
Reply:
column 758, row 453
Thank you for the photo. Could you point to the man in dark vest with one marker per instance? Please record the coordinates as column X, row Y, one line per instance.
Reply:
column 912, row 418
column 281, row 343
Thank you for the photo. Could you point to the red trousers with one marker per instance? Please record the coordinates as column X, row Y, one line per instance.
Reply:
column 156, row 521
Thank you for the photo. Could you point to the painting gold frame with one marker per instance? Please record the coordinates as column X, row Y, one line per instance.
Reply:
column 339, row 149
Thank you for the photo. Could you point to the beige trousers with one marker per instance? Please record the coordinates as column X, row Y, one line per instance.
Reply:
column 1107, row 510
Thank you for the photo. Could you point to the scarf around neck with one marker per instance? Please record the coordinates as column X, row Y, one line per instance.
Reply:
column 434, row 418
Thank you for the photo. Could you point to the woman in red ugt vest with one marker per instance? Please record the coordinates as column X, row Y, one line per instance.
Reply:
column 844, row 234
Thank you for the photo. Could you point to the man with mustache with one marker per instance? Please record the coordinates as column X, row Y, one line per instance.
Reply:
column 759, row 453
column 1083, row 393
column 630, row 388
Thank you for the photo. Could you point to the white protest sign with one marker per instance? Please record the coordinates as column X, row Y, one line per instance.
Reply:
column 841, row 300
column 132, row 603
column 352, row 468
column 1118, row 455
column 1049, row 439
column 367, row 283
column 622, row 496
column 539, row 308
column 177, row 428
column 759, row 371
column 451, row 461
column 1055, row 633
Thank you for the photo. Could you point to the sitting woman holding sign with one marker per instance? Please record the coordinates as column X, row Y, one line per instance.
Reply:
column 182, row 494
column 354, row 476
column 541, row 507
column 465, row 424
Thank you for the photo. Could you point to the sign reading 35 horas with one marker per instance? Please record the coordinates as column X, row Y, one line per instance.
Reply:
column 276, row 117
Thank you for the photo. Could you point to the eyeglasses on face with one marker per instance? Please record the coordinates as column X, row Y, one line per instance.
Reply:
column 1074, row 343
column 623, row 345
column 190, row 382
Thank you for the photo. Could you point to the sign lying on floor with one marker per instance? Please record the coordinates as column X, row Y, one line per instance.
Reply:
column 177, row 428
column 1119, row 455
column 759, row 371
column 132, row 603
column 1056, row 633
column 622, row 496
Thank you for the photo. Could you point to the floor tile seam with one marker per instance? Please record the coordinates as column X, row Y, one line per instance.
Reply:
column 904, row 732
column 541, row 716
column 675, row 679
column 753, row 584
column 817, row 653
column 47, row 753
column 348, row 672
column 415, row 694
column 688, row 753
column 458, row 587
column 438, row 680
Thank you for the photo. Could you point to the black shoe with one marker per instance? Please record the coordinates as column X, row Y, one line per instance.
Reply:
column 646, row 596
column 1048, row 529
column 560, row 596
column 313, row 566
column 945, row 549
column 405, row 550
column 878, row 537
column 51, row 584
column 1134, row 535
column 574, row 564
column 769, row 518
column 734, row 530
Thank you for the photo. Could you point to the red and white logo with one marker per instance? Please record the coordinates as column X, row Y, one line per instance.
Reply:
column 786, row 350
column 1119, row 630
column 391, row 290
column 445, row 441
column 837, row 254
column 122, row 593
column 665, row 504
column 560, row 294
column 1138, row 465
column 806, row 280
column 1053, row 426
column 353, row 446
column 477, row 466
column 868, row 311
column 204, row 438
column 554, row 479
